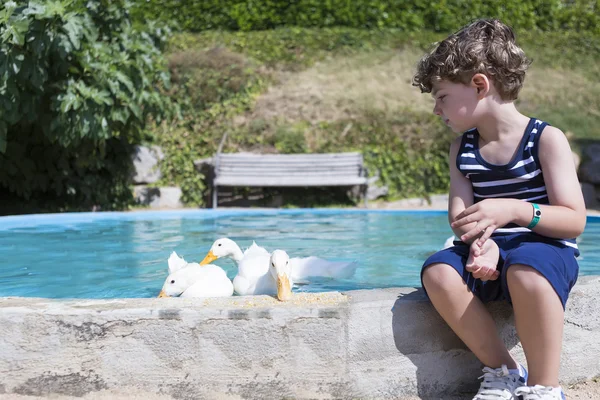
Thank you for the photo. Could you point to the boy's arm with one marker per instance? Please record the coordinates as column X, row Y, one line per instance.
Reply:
column 566, row 215
column 461, row 192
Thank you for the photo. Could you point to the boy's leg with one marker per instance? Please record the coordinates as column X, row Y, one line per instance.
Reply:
column 466, row 315
column 539, row 318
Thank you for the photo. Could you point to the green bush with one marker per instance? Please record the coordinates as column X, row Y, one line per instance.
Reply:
column 202, row 79
column 408, row 150
column 296, row 48
column 77, row 85
column 211, row 87
column 407, row 15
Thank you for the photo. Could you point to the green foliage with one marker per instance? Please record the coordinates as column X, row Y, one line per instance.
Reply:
column 211, row 87
column 291, row 139
column 408, row 150
column 181, row 149
column 65, row 179
column 203, row 79
column 296, row 48
column 407, row 15
column 77, row 85
column 569, row 50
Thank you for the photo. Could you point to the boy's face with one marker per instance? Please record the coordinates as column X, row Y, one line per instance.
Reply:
column 456, row 104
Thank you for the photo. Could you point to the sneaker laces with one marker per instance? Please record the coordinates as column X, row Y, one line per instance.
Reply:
column 536, row 392
column 497, row 384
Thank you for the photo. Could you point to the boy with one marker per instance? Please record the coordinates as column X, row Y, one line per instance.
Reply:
column 516, row 205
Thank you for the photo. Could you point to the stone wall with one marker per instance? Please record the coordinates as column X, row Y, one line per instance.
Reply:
column 376, row 344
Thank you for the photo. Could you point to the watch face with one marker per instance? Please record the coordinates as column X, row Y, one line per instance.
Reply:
column 538, row 213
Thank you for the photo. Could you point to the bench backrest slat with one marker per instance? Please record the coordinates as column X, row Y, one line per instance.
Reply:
column 287, row 157
column 330, row 164
column 292, row 173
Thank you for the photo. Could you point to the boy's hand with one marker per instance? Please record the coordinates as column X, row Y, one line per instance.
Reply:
column 483, row 260
column 490, row 214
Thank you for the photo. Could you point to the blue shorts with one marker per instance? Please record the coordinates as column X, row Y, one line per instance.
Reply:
column 554, row 260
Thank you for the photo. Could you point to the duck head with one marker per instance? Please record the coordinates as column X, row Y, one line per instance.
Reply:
column 281, row 271
column 178, row 282
column 223, row 247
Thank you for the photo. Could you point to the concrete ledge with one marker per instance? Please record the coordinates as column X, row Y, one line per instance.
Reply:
column 385, row 343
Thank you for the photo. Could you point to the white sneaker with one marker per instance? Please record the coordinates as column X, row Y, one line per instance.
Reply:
column 539, row 392
column 500, row 383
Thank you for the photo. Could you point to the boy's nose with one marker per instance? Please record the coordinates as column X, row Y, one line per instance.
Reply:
column 437, row 110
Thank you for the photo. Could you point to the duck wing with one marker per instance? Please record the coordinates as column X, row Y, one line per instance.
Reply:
column 212, row 281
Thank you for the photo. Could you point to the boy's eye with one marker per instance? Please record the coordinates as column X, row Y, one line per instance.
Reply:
column 441, row 98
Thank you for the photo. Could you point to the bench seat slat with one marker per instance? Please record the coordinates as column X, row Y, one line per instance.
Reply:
column 288, row 162
column 299, row 174
column 354, row 169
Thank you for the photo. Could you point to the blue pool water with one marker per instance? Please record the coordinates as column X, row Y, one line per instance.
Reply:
column 124, row 255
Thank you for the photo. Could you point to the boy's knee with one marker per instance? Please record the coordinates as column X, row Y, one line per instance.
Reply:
column 523, row 277
column 440, row 276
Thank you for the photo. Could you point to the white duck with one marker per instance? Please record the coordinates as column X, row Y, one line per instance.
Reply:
column 302, row 268
column 192, row 280
column 253, row 275
column 273, row 277
column 253, row 266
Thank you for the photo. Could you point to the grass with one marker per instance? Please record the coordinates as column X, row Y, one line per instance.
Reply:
column 568, row 99
column 344, row 87
column 347, row 86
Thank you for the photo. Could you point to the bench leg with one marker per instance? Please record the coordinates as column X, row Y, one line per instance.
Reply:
column 364, row 194
column 214, row 197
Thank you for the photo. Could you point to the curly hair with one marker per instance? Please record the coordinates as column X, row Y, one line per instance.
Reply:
column 486, row 46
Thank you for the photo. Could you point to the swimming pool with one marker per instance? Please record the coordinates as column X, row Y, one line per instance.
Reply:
column 124, row 255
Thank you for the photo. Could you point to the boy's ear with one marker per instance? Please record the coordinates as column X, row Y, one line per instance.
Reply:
column 482, row 84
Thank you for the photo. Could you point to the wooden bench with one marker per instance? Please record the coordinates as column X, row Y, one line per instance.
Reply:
column 288, row 170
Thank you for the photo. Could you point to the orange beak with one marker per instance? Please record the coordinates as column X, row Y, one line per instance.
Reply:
column 284, row 289
column 210, row 257
column 163, row 294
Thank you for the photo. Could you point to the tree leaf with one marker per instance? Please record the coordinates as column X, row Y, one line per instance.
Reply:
column 35, row 9
column 137, row 111
column 15, row 32
column 51, row 9
column 121, row 77
column 74, row 30
column 67, row 102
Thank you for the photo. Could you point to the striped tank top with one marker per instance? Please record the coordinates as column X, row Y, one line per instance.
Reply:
column 522, row 178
